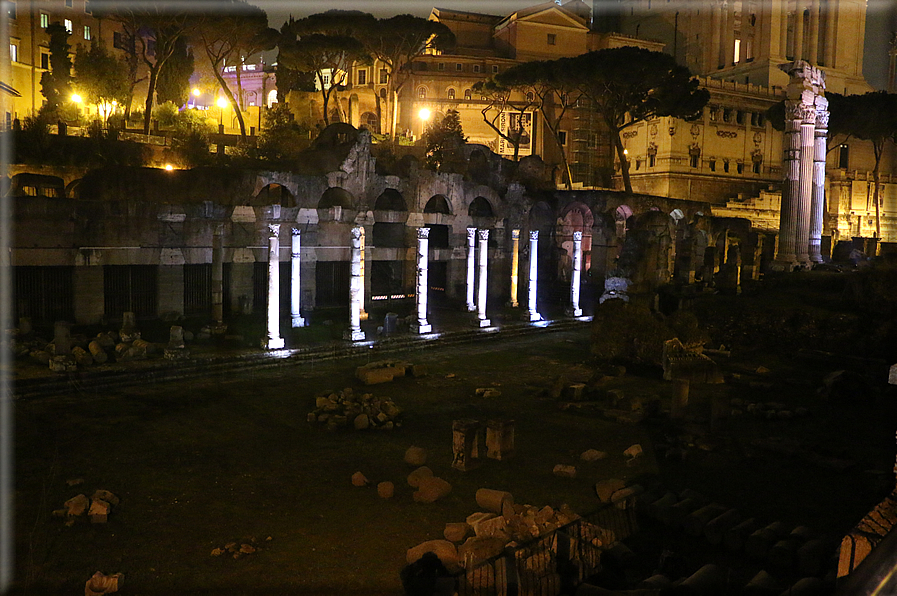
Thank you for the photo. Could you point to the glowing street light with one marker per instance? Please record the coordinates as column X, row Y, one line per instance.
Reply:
column 76, row 98
column 221, row 103
column 424, row 115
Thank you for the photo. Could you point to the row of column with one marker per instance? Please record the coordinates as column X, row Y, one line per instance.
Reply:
column 803, row 191
column 478, row 289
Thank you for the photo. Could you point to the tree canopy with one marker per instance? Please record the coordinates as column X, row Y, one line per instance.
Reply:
column 174, row 77
column 56, row 83
column 628, row 85
column 101, row 78
column 444, row 141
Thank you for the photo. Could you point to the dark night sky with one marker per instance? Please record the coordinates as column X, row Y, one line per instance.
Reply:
column 881, row 19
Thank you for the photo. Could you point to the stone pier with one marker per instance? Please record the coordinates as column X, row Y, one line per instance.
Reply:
column 422, row 325
column 483, row 284
column 296, row 319
column 515, row 265
column 532, row 312
column 471, row 268
column 218, row 277
column 273, row 340
column 356, row 287
column 575, row 276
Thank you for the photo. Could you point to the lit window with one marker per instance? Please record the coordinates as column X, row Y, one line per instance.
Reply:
column 326, row 79
column 421, row 92
column 44, row 20
column 552, row 39
column 362, row 77
column 467, row 94
column 451, row 94
column 86, row 33
column 13, row 52
column 68, row 26
column 737, row 50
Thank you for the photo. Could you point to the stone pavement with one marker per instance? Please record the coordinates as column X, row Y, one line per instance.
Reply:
column 216, row 357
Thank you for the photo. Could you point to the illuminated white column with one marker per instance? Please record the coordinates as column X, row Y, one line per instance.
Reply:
column 484, row 279
column 577, row 269
column 295, row 261
column 471, row 252
column 273, row 341
column 362, row 314
column 532, row 284
column 515, row 264
column 218, row 276
column 786, row 254
column 807, row 157
column 356, row 287
column 423, row 241
column 817, row 209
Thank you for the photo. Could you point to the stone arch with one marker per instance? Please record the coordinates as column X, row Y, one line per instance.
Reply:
column 370, row 121
column 274, row 194
column 480, row 207
column 336, row 197
column 574, row 217
column 72, row 189
column 622, row 218
column 438, row 204
column 390, row 200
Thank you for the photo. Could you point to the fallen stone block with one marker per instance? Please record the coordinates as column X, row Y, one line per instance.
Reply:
column 456, row 531
column 361, row 422
column 475, row 550
column 386, row 490
column 591, row 455
column 100, row 584
column 77, row 505
column 359, row 479
column 634, row 451
column 474, row 518
column 416, row 456
column 605, row 488
column 493, row 500
column 564, row 471
column 99, row 511
column 374, row 376
column 415, row 477
column 445, row 550
column 431, row 489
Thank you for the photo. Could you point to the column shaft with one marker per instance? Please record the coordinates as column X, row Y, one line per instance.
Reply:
column 483, row 285
column 515, row 264
column 729, row 35
column 817, row 209
column 576, row 274
column 356, row 287
column 533, row 281
column 295, row 286
column 471, row 267
column 218, row 276
column 807, row 154
column 273, row 341
column 786, row 252
column 813, row 50
column 716, row 36
column 798, row 51
column 423, row 240
column 831, row 9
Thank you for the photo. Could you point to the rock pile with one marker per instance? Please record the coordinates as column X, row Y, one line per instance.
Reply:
column 349, row 409
column 247, row 545
column 97, row 507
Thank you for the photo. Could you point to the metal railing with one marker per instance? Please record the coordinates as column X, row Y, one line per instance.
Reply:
column 559, row 559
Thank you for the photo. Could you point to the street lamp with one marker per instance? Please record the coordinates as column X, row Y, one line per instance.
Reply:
column 221, row 103
column 195, row 92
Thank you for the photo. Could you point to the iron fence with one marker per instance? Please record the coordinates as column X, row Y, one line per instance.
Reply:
column 559, row 559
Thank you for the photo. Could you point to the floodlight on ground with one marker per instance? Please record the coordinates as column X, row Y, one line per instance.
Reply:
column 76, row 98
column 424, row 114
column 168, row 167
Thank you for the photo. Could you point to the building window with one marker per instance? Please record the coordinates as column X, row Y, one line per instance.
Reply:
column 87, row 7
column 422, row 93
column 562, row 137
column 843, row 156
column 45, row 61
column 739, row 117
column 12, row 10
column 362, row 77
column 459, row 67
column 739, row 167
column 694, row 159
column 476, row 68
column 13, row 52
column 530, row 96
column 495, row 69
column 451, row 93
column 325, row 79
column 384, row 76
column 44, row 20
column 68, row 3
column 68, row 26
column 712, row 164
column 725, row 165
column 467, row 94
column 440, row 67
column 86, row 33
column 552, row 39
column 756, row 167
column 727, row 115
column 652, row 160
column 638, row 163
column 713, row 115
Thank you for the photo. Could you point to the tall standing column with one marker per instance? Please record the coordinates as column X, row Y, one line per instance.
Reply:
column 515, row 264
column 716, row 36
column 218, row 276
column 831, row 9
column 273, row 341
column 817, row 205
column 574, row 278
column 786, row 255
column 483, row 284
column 423, row 241
column 807, row 157
column 813, row 50
column 533, row 282
column 362, row 314
column 356, row 287
column 295, row 287
column 798, row 52
column 471, row 261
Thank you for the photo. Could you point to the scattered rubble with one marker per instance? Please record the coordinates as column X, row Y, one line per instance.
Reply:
column 362, row 412
column 382, row 371
column 97, row 507
column 100, row 583
column 247, row 545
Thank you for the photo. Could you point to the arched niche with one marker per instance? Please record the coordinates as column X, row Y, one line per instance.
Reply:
column 274, row 194
column 370, row 121
column 390, row 200
column 622, row 216
column 336, row 197
column 480, row 207
column 575, row 217
column 438, row 204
